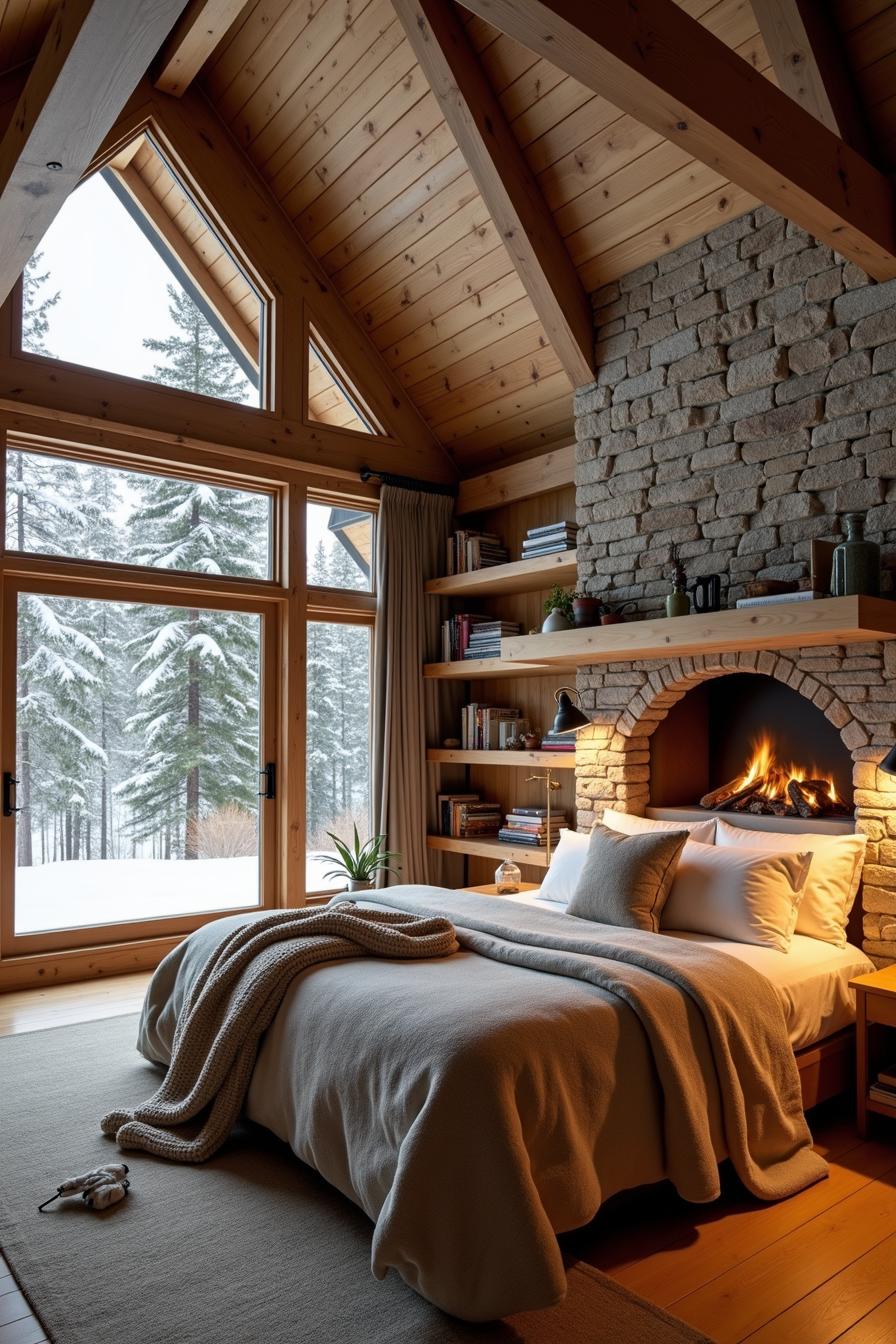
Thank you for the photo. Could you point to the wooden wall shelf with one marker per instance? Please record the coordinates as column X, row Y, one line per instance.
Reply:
column 520, row 576
column 474, row 669
column 489, row 849
column 555, row 760
column 784, row 625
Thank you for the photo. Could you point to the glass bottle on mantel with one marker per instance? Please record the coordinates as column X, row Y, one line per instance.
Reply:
column 856, row 562
column 507, row 878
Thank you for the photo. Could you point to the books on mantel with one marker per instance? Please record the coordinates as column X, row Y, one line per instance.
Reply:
column 773, row 599
column 550, row 539
column 487, row 727
column 464, row 816
column 558, row 742
column 529, row 826
column 456, row 632
column 485, row 638
column 468, row 550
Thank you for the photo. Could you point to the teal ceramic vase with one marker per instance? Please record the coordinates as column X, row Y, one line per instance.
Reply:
column 678, row 603
column 856, row 563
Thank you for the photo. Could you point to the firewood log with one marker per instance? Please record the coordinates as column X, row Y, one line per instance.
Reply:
column 718, row 799
column 805, row 799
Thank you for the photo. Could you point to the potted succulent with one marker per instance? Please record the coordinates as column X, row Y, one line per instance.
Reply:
column 558, row 610
column 586, row 610
column 360, row 864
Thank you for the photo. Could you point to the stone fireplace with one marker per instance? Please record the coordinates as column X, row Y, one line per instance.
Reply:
column 852, row 686
column 745, row 398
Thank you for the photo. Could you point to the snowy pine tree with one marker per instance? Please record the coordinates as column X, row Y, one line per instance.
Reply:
column 195, row 357
column 36, row 307
column 195, row 732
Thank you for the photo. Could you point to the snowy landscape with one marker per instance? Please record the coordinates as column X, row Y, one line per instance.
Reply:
column 97, row 891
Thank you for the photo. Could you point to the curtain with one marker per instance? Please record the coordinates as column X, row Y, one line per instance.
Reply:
column 407, row 711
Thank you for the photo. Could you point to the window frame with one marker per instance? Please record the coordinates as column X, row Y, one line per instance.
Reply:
column 285, row 596
column 267, row 387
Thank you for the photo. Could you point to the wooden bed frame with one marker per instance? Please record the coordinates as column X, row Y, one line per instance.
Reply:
column 827, row 1068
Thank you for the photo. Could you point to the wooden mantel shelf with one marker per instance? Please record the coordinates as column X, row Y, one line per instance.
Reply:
column 782, row 625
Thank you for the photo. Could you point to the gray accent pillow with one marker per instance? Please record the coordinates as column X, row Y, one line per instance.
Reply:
column 627, row 878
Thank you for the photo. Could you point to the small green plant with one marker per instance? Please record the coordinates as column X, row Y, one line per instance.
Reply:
column 362, row 862
column 559, row 598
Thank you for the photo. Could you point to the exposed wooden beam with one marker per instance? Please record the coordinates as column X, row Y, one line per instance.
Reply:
column 89, row 64
column 802, row 44
column 520, row 480
column 201, row 27
column 504, row 179
column 653, row 61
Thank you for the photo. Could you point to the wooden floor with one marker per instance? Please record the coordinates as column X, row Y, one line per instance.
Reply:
column 815, row 1269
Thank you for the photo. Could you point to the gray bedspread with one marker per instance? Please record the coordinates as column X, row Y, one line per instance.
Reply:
column 477, row 1105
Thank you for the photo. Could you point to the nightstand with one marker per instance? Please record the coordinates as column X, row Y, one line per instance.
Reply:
column 875, row 1005
column 489, row 888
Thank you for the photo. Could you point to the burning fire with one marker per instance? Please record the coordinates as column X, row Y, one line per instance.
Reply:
column 772, row 778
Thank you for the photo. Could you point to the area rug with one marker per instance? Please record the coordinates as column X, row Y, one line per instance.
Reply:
column 251, row 1246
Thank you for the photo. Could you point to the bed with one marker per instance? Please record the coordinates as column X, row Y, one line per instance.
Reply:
column 477, row 1106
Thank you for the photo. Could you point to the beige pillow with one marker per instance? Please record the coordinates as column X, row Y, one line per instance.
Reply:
column 743, row 895
column 833, row 880
column 704, row 832
column 626, row 878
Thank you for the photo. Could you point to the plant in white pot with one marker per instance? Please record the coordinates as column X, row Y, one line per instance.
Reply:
column 360, row 863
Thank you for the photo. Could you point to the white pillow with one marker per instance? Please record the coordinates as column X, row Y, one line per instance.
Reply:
column 738, row 894
column 704, row 832
column 567, row 862
column 833, row 878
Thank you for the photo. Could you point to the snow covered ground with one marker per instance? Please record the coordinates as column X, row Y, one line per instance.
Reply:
column 107, row 891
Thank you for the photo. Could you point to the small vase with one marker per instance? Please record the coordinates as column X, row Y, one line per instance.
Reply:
column 678, row 603
column 355, row 884
column 554, row 621
column 586, row 611
column 856, row 563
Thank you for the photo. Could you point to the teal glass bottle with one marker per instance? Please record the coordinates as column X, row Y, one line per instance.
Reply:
column 856, row 563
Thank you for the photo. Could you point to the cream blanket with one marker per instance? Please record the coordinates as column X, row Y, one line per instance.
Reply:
column 233, row 1000
column 478, row 1105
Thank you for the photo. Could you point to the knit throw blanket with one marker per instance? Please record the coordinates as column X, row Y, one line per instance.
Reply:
column 234, row 1000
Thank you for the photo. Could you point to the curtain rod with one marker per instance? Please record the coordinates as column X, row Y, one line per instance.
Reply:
column 407, row 482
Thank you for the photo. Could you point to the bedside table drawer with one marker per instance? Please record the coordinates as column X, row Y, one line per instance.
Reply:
column 881, row 1008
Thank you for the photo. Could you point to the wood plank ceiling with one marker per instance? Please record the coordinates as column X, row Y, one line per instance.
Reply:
column 330, row 105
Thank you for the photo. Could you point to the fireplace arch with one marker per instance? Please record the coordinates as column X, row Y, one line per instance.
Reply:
column 852, row 686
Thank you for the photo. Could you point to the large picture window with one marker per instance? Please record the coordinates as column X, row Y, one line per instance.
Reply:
column 161, row 634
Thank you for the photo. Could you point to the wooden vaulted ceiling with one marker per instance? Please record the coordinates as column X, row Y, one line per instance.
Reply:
column 330, row 104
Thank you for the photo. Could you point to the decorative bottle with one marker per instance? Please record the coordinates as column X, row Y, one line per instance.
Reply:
column 856, row 563
column 507, row 878
column 678, row 603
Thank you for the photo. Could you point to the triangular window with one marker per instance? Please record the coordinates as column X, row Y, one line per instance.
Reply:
column 132, row 278
column 332, row 398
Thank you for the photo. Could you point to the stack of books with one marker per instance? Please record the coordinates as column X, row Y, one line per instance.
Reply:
column 465, row 816
column 486, row 727
column 558, row 742
column 773, row 599
column 529, row 826
column 468, row 550
column 885, row 1088
column 485, row 638
column 549, row 540
column 456, row 633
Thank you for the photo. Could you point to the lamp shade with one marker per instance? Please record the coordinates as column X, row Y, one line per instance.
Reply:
column 888, row 764
column 569, row 718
